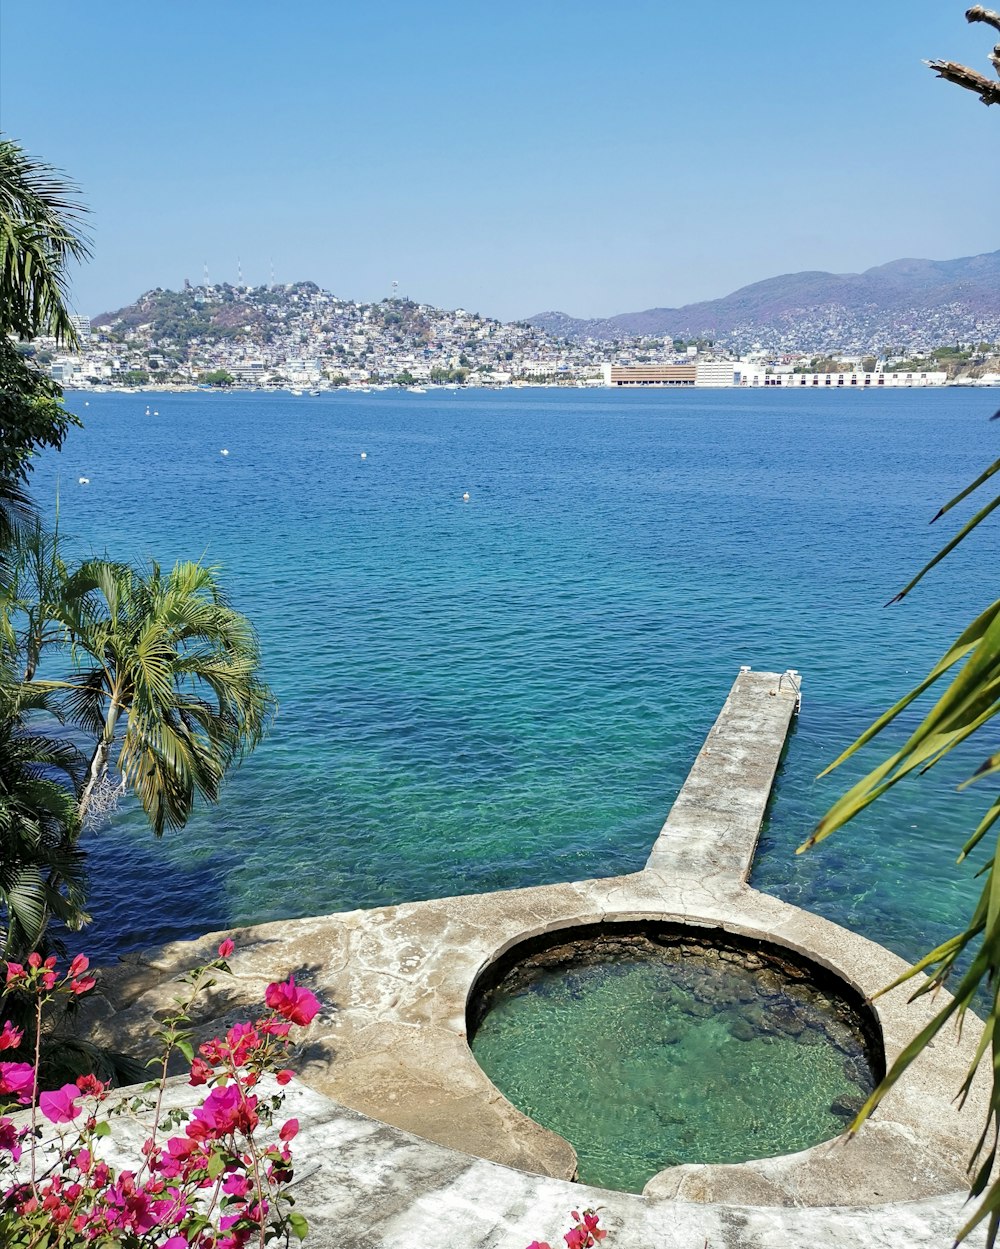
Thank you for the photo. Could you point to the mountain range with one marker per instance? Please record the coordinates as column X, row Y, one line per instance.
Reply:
column 906, row 303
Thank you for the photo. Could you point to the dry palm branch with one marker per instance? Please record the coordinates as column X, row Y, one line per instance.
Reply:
column 986, row 88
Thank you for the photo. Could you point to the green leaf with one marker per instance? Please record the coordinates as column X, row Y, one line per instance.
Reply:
column 298, row 1224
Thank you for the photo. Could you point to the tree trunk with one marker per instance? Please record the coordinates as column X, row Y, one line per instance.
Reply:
column 99, row 759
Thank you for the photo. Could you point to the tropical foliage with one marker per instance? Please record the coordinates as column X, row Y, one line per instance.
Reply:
column 967, row 682
column 40, row 233
column 114, row 677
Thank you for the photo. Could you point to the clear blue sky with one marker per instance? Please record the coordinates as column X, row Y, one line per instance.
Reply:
column 509, row 158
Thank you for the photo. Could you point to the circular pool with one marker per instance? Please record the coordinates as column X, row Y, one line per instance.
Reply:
column 648, row 1045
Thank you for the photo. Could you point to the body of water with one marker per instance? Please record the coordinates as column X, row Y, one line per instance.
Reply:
column 510, row 690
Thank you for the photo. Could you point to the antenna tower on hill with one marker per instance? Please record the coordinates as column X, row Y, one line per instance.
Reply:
column 206, row 275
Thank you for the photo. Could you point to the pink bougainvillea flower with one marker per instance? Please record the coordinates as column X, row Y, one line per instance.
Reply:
column 284, row 1075
column 292, row 1003
column 176, row 1242
column 10, row 1138
column 289, row 1130
column 236, row 1185
column 78, row 966
column 223, row 1111
column 10, row 1037
column 201, row 1072
column 539, row 1244
column 242, row 1039
column 15, row 971
column 226, row 948
column 60, row 1106
column 591, row 1219
column 90, row 1086
column 17, row 1078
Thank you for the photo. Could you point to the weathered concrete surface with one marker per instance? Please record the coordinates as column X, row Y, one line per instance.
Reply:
column 391, row 1045
column 364, row 1185
column 713, row 826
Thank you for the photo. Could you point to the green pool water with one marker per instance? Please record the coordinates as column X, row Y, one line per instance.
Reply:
column 649, row 1056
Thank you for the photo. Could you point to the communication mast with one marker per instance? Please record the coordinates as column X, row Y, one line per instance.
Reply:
column 239, row 272
column 395, row 288
column 206, row 275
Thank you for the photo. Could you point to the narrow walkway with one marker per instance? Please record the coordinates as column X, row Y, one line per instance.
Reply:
column 713, row 826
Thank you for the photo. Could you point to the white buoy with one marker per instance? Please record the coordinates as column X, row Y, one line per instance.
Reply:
column 83, row 481
column 86, row 403
column 156, row 412
column 364, row 455
column 465, row 497
column 224, row 451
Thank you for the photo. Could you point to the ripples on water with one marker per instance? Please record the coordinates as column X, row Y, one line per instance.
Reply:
column 511, row 690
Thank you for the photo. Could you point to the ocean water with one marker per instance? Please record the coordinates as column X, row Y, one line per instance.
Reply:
column 510, row 690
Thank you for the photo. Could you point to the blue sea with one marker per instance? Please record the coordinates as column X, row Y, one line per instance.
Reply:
column 510, row 690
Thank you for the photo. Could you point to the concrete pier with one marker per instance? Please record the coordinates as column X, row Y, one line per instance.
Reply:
column 713, row 826
column 405, row 1140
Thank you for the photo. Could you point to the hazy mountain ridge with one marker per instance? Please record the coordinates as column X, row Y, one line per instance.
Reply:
column 901, row 302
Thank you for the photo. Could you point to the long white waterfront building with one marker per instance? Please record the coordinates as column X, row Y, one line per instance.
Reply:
column 745, row 373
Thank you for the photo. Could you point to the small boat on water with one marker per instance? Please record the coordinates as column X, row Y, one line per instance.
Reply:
column 416, row 390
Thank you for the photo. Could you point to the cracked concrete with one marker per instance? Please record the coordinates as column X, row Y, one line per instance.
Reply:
column 390, row 1047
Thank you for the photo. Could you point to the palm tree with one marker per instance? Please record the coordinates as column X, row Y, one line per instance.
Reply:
column 41, row 866
column 34, row 583
column 40, row 234
column 167, row 681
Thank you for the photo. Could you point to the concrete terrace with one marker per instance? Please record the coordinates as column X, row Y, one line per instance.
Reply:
column 406, row 1142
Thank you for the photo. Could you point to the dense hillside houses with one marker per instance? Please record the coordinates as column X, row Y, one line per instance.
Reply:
column 301, row 336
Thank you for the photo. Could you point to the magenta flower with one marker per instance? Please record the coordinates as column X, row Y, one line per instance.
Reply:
column 236, row 1185
column 78, row 966
column 201, row 1072
column 289, row 1130
column 226, row 948
column 10, row 1037
column 223, row 1111
column 292, row 1003
column 60, row 1106
column 10, row 1138
column 17, row 1078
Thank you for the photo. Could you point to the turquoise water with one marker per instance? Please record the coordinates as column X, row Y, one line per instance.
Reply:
column 668, row 1057
column 511, row 690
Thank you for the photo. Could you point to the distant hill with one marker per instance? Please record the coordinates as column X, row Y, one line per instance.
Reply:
column 905, row 302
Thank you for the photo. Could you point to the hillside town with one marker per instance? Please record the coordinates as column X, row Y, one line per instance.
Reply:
column 299, row 336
